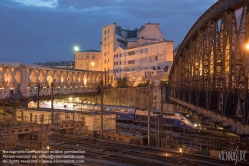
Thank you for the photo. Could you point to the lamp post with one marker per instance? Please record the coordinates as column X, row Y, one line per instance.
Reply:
column 150, row 96
column 148, row 92
column 161, row 86
column 76, row 48
column 52, row 104
column 101, row 101
column 38, row 95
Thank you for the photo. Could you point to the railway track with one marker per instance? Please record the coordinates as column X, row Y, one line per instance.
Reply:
column 198, row 141
column 116, row 152
column 112, row 153
column 104, row 152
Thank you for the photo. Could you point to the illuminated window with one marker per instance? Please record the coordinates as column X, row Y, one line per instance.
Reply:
column 92, row 63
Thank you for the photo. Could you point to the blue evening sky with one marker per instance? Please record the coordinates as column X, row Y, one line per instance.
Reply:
column 46, row 30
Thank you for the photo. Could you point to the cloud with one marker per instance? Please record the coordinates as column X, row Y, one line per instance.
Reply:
column 46, row 30
column 40, row 3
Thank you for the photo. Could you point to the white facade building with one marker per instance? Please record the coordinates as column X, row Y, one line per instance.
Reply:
column 138, row 54
column 148, row 62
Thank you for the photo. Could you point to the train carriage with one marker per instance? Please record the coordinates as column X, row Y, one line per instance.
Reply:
column 122, row 112
column 133, row 114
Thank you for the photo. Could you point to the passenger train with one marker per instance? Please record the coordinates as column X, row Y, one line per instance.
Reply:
column 133, row 114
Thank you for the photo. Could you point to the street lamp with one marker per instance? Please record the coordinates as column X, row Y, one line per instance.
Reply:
column 149, row 92
column 247, row 46
column 76, row 48
column 70, row 99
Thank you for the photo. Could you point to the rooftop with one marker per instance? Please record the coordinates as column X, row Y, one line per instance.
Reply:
column 90, row 50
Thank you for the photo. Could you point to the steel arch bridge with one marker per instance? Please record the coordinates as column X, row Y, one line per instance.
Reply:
column 211, row 68
column 22, row 81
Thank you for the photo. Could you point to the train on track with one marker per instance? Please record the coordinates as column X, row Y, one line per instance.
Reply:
column 133, row 114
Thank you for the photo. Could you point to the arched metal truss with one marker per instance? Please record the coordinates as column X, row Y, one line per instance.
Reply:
column 19, row 80
column 211, row 67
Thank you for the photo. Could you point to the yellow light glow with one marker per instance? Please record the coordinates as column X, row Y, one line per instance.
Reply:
column 70, row 98
column 48, row 147
column 180, row 149
column 85, row 81
column 247, row 46
column 76, row 48
column 93, row 63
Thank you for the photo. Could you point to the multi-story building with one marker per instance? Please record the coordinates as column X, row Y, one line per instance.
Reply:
column 134, row 53
column 60, row 64
column 108, row 45
column 148, row 62
column 88, row 60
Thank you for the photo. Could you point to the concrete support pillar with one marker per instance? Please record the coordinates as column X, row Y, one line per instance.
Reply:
column 31, row 118
column 24, row 81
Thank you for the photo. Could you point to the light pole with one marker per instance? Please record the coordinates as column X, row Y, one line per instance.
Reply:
column 148, row 92
column 101, row 101
column 161, row 86
column 150, row 96
column 130, row 93
column 52, row 104
column 38, row 95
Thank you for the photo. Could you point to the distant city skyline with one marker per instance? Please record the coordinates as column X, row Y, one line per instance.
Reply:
column 47, row 30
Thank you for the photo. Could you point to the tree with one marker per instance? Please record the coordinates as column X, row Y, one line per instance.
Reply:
column 143, row 84
column 122, row 83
